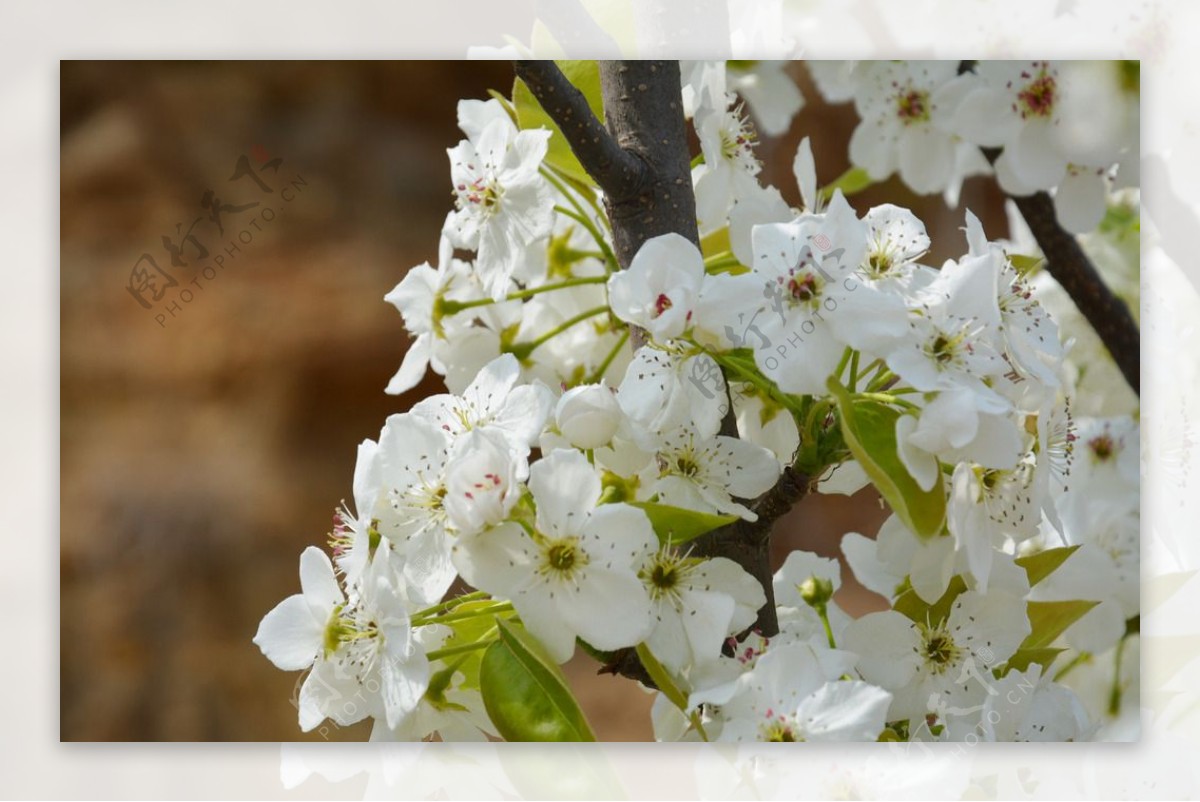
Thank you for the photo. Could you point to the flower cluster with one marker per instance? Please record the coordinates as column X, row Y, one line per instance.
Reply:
column 1067, row 127
column 564, row 492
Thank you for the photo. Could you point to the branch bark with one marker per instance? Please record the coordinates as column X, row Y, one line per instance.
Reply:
column 1070, row 267
column 641, row 161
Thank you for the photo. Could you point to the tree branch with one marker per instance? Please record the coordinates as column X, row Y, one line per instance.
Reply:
column 1107, row 314
column 618, row 172
column 642, row 163
column 1070, row 267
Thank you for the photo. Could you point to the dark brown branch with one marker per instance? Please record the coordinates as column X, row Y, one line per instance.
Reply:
column 1070, row 267
column 618, row 172
column 642, row 163
column 1107, row 314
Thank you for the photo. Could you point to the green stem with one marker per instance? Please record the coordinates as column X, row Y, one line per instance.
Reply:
column 581, row 218
column 823, row 611
column 452, row 307
column 854, row 371
column 449, row 651
column 845, row 360
column 523, row 350
column 608, row 360
column 499, row 607
column 721, row 261
column 446, row 605
column 1114, row 696
column 1077, row 660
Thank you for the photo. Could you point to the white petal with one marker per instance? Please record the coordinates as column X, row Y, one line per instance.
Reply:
column 318, row 582
column 565, row 487
column 886, row 643
column 290, row 636
column 625, row 620
column 844, row 711
column 412, row 367
column 1080, row 201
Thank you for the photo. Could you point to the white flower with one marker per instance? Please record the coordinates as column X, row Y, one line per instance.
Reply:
column 665, row 389
column 986, row 506
column 904, row 107
column 772, row 95
column 896, row 239
column 789, row 697
column 483, row 480
column 658, row 292
column 1026, row 707
column 410, row 511
column 883, row 564
column 588, row 416
column 815, row 304
column 764, row 422
column 502, row 204
column 727, row 140
column 945, row 667
column 364, row 659
column 696, row 603
column 574, row 573
column 292, row 635
column 1016, row 105
column 706, row 474
column 493, row 401
column 951, row 339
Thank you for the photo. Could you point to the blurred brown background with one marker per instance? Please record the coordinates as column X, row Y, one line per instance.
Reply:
column 200, row 457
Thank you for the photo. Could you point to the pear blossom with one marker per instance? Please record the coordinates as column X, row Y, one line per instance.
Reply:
column 815, row 302
column 787, row 698
column 494, row 401
column 939, row 666
column 503, row 205
column 697, row 604
column 905, row 108
column 364, row 652
column 727, row 140
column 664, row 389
column 577, row 558
column 658, row 292
column 588, row 416
column 707, row 474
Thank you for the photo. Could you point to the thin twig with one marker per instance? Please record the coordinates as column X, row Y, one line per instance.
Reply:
column 619, row 172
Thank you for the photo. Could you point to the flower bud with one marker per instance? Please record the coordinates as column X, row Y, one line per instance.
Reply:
column 816, row 591
column 588, row 416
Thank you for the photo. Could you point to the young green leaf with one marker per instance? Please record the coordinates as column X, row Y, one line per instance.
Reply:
column 675, row 525
column 585, row 76
column 526, row 694
column 1041, row 565
column 915, row 608
column 869, row 429
column 856, row 179
column 1023, row 658
column 1048, row 620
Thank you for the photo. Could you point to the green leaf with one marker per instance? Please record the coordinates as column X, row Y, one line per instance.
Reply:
column 915, row 608
column 662, row 678
column 869, row 429
column 856, row 179
column 525, row 692
column 470, row 630
column 1024, row 264
column 675, row 525
column 1041, row 565
column 585, row 75
column 1048, row 620
column 1023, row 658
